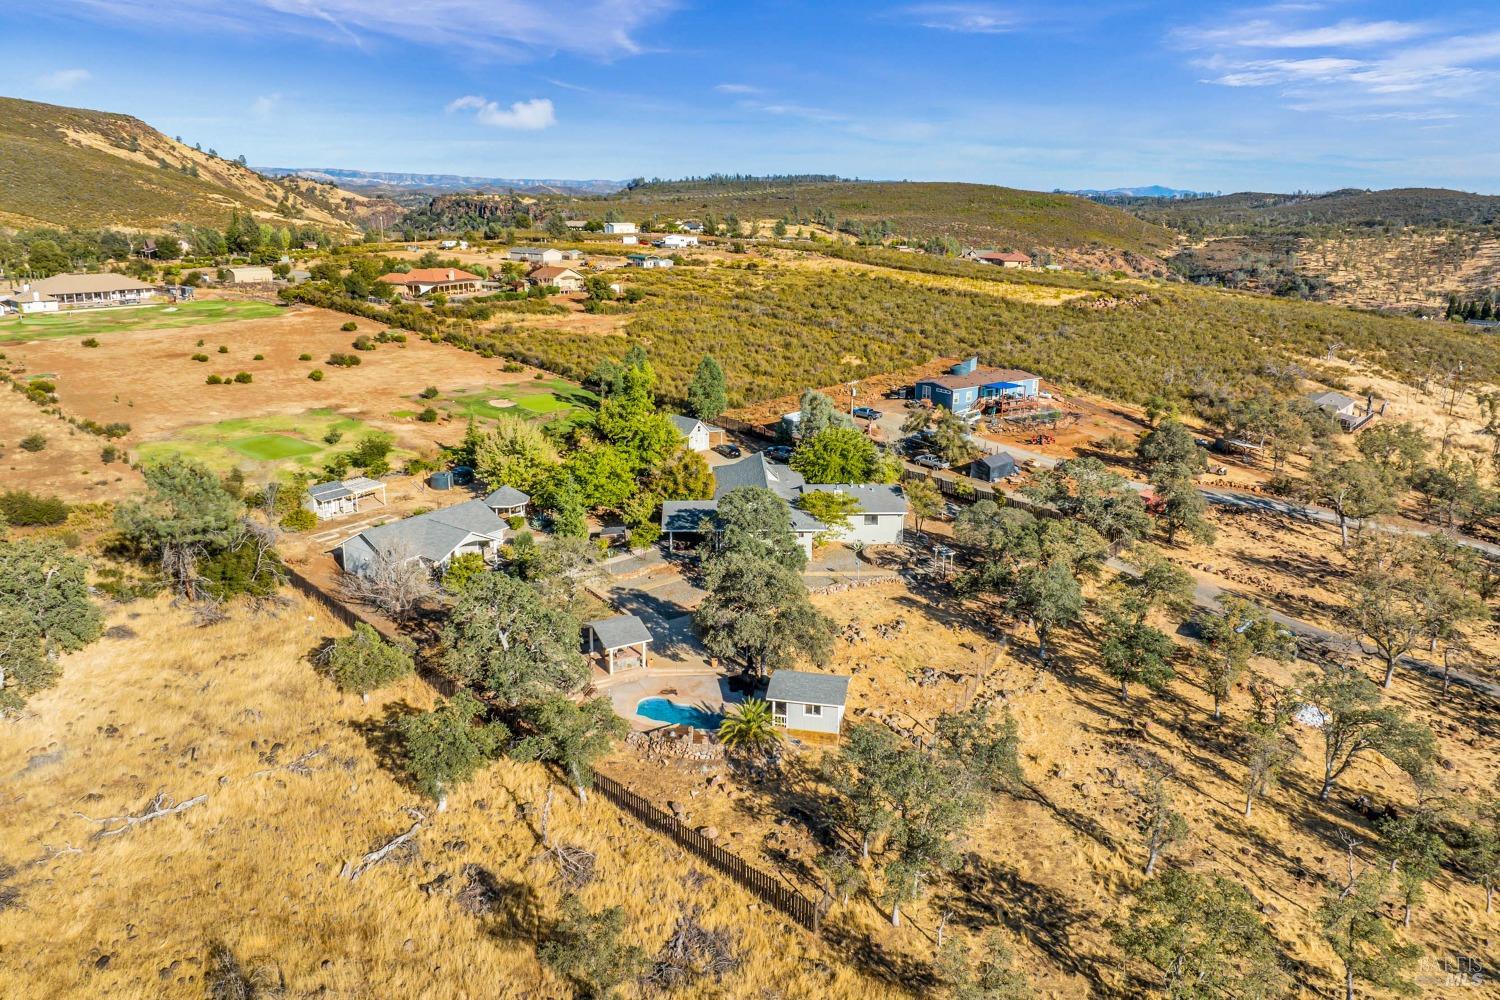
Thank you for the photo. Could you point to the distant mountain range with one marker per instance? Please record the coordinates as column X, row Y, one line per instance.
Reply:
column 1149, row 191
column 355, row 179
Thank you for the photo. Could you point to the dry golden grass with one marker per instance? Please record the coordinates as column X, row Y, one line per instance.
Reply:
column 195, row 711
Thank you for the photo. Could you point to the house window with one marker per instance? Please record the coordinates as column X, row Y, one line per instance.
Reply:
column 872, row 519
column 778, row 707
column 812, row 710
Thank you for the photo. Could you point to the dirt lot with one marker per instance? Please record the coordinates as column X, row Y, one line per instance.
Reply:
column 69, row 466
column 149, row 380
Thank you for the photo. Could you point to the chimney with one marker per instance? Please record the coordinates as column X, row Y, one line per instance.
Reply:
column 450, row 274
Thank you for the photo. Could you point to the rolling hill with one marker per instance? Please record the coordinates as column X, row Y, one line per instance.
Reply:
column 76, row 168
column 973, row 214
column 1250, row 210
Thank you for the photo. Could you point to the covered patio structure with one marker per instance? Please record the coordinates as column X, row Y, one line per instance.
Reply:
column 342, row 496
column 609, row 636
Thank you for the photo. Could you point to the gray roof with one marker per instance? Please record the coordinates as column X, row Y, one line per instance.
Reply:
column 507, row 496
column 340, row 488
column 619, row 631
column 873, row 498
column 757, row 470
column 998, row 460
column 1332, row 400
column 808, row 689
column 684, row 424
column 432, row 536
column 688, row 515
column 701, row 515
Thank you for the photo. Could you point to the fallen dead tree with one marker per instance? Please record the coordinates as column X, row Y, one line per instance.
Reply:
column 158, row 807
column 354, row 869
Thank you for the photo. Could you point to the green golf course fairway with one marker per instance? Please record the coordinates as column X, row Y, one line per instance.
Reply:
column 271, row 447
column 102, row 322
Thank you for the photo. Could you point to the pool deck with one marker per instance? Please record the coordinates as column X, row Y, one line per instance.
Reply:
column 701, row 689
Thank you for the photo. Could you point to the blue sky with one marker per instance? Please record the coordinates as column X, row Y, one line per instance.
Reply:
column 1030, row 94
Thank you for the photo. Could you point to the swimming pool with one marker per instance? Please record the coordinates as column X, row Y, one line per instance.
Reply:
column 665, row 710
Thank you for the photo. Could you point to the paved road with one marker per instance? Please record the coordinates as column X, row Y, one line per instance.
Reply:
column 1271, row 505
column 1207, row 594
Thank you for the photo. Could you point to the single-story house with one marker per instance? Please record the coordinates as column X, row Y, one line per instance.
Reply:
column 534, row 255
column 425, row 280
column 630, row 241
column 435, row 538
column 1351, row 414
column 880, row 519
column 608, row 636
column 968, row 387
column 82, row 291
column 297, row 276
column 620, row 228
column 508, row 501
column 454, row 245
column 249, row 274
column 576, row 223
column 999, row 259
column 700, row 436
column 808, row 702
column 28, row 301
column 993, row 468
column 342, row 496
column 690, row 225
column 676, row 241
column 647, row 260
column 564, row 279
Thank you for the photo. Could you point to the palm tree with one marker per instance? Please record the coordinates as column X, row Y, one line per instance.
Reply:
column 750, row 726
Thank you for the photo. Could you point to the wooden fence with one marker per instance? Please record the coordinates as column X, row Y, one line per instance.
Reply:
column 776, row 893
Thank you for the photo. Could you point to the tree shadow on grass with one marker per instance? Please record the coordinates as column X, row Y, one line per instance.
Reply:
column 989, row 893
column 879, row 962
column 382, row 735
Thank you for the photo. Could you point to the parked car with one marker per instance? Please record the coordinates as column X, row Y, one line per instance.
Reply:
column 867, row 413
column 930, row 462
column 779, row 453
column 729, row 450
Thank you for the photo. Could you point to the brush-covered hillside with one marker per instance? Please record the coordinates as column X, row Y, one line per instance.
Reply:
column 92, row 169
column 973, row 214
column 1349, row 207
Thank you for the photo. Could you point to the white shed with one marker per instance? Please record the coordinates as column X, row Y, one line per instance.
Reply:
column 812, row 703
column 620, row 228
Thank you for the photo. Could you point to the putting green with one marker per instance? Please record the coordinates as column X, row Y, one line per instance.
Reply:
column 273, row 447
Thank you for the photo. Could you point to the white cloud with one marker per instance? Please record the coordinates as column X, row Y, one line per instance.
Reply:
column 965, row 18
column 1351, row 66
column 513, row 29
column 528, row 116
column 265, row 105
column 64, row 79
column 1265, row 34
column 736, row 88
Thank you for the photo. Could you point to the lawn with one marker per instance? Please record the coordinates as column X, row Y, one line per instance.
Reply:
column 553, row 399
column 106, row 321
column 293, row 443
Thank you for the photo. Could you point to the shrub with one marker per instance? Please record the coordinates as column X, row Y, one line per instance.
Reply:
column 431, row 392
column 341, row 360
column 315, row 375
column 242, row 570
column 200, row 357
column 304, row 356
column 25, row 509
column 334, row 436
column 200, row 342
column 513, row 367
column 300, row 519
column 244, row 378
column 259, row 357
column 109, row 454
column 428, row 416
column 516, row 522
column 350, row 326
column 215, row 380
column 223, row 349
column 461, row 569
column 91, row 342
column 33, row 442
column 363, row 343
column 361, row 662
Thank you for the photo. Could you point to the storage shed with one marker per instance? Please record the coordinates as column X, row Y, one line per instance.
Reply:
column 993, row 468
column 812, row 703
